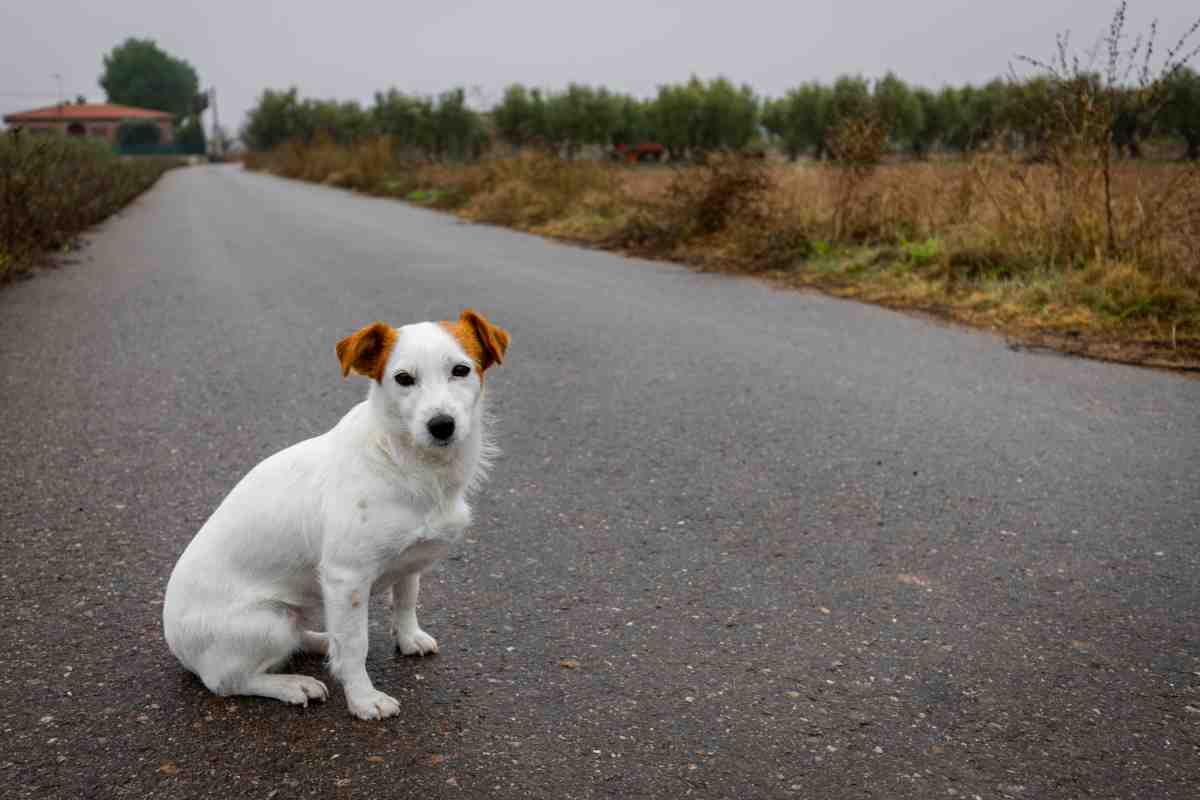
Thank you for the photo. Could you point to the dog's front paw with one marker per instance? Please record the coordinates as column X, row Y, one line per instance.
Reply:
column 372, row 704
column 414, row 641
column 303, row 689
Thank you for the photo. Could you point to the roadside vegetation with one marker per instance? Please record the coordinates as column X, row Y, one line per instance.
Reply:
column 1062, row 207
column 52, row 188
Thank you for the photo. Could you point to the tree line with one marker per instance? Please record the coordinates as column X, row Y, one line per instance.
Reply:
column 699, row 116
column 442, row 127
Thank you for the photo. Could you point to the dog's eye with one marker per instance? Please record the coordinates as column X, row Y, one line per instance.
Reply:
column 460, row 371
column 404, row 379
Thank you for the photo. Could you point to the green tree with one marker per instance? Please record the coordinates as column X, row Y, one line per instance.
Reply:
column 281, row 116
column 934, row 124
column 138, row 73
column 729, row 116
column 604, row 116
column 580, row 115
column 458, row 131
column 672, row 115
column 1181, row 115
column 520, row 117
column 983, row 113
column 800, row 119
column 696, row 117
column 948, row 114
column 407, row 119
column 343, row 122
column 1025, row 112
column 276, row 118
column 633, row 125
column 567, row 121
column 899, row 110
column 775, row 120
column 849, row 99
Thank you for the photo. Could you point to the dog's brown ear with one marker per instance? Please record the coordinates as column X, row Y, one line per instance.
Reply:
column 482, row 340
column 366, row 351
column 493, row 340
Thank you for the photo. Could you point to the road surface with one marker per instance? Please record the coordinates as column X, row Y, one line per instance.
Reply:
column 793, row 546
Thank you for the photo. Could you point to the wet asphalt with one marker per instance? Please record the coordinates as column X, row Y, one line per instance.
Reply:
column 742, row 542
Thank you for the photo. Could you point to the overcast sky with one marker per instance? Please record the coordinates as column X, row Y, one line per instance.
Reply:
column 347, row 49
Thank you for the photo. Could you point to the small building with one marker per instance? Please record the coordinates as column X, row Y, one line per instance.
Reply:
column 93, row 120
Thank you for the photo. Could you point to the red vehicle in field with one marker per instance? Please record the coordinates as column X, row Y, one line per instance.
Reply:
column 645, row 153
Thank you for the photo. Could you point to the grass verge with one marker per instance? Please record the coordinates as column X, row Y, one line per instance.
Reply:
column 52, row 188
column 993, row 242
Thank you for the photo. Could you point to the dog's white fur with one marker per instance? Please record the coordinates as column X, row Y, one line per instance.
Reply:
column 311, row 532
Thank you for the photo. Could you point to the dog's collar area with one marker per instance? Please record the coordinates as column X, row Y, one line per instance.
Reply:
column 407, row 457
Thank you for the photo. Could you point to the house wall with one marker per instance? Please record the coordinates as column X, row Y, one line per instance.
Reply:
column 98, row 129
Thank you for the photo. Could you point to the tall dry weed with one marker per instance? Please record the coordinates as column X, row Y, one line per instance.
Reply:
column 1056, row 217
column 856, row 148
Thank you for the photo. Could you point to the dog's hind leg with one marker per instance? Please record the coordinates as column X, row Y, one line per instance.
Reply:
column 249, row 644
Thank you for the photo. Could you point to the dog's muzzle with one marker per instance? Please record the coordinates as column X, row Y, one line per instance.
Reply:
column 441, row 428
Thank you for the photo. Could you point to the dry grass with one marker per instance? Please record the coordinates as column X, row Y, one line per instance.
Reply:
column 992, row 242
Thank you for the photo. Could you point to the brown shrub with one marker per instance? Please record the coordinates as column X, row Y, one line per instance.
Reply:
column 724, row 189
column 723, row 193
column 534, row 188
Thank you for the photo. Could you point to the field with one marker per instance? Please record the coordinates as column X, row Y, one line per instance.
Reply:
column 994, row 241
column 52, row 188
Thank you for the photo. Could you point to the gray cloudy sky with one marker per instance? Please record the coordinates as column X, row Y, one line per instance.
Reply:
column 349, row 48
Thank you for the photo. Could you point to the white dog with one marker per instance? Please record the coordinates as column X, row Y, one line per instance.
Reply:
column 313, row 530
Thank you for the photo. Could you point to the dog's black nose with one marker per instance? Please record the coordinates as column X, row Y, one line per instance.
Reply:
column 441, row 427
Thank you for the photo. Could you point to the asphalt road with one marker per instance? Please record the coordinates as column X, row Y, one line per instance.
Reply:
column 798, row 547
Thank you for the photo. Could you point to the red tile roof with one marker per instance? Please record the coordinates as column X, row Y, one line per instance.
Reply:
column 87, row 111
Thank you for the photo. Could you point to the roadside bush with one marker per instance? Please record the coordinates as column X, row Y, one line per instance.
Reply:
column 726, row 187
column 776, row 242
column 54, row 187
column 647, row 230
column 724, row 193
column 534, row 188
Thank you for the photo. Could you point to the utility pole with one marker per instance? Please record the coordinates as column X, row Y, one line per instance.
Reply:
column 218, row 145
column 58, row 78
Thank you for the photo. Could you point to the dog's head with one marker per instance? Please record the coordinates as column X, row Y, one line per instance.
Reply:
column 428, row 376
